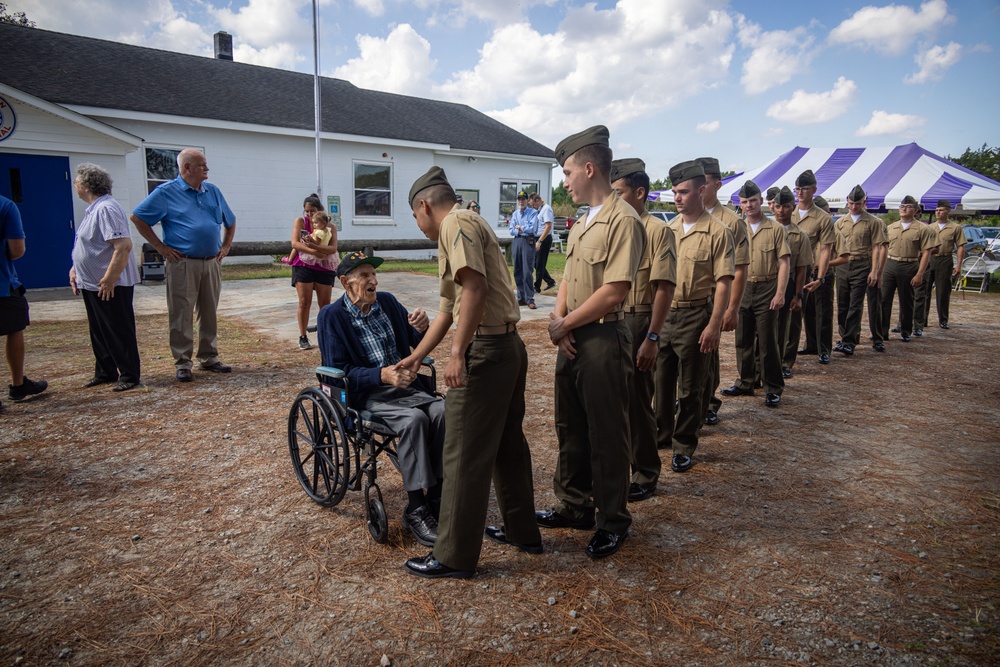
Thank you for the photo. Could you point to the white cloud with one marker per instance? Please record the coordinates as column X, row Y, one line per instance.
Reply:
column 777, row 55
column 282, row 55
column 893, row 28
column 805, row 108
column 883, row 122
column 456, row 13
column 262, row 23
column 934, row 62
column 400, row 63
column 371, row 7
column 707, row 127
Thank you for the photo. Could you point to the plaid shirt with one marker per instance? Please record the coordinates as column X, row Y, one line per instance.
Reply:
column 375, row 333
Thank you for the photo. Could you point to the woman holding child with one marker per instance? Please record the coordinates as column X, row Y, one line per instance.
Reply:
column 314, row 260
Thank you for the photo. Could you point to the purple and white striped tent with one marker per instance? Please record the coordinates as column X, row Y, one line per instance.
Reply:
column 886, row 174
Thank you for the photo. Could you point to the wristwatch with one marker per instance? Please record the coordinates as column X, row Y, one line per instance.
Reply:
column 801, row 295
column 655, row 337
column 822, row 280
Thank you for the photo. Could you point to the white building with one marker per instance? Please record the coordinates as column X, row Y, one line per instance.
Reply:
column 65, row 100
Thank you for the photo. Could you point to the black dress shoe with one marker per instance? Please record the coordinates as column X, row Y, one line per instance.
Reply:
column 918, row 332
column 422, row 524
column 430, row 567
column 497, row 534
column 944, row 325
column 711, row 417
column 824, row 359
column 184, row 375
column 758, row 384
column 894, row 330
column 845, row 349
column 95, row 381
column 550, row 285
column 878, row 347
column 637, row 492
column 805, row 351
column 681, row 463
column 772, row 400
column 217, row 367
column 553, row 519
column 786, row 372
column 736, row 390
column 604, row 543
column 905, row 338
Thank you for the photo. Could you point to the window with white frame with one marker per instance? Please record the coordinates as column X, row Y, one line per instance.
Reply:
column 508, row 197
column 161, row 165
column 372, row 190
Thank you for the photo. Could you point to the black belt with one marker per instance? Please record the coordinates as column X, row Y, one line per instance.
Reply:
column 532, row 239
column 183, row 256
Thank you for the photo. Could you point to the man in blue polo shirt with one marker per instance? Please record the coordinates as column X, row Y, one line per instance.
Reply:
column 524, row 228
column 191, row 211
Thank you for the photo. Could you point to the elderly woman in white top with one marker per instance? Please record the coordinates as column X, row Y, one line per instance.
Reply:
column 105, row 272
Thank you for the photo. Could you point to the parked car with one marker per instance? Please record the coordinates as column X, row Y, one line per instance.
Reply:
column 665, row 216
column 990, row 232
column 975, row 240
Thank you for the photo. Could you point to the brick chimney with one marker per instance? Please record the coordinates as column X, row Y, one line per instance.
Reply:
column 223, row 45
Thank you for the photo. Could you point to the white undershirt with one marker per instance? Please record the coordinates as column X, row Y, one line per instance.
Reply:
column 941, row 225
column 906, row 225
column 855, row 216
column 688, row 226
column 592, row 214
column 755, row 226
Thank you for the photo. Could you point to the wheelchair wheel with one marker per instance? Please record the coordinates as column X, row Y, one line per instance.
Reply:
column 378, row 522
column 318, row 446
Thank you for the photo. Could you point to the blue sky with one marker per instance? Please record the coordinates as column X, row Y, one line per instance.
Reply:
column 741, row 80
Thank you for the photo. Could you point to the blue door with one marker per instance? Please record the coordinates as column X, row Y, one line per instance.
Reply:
column 42, row 188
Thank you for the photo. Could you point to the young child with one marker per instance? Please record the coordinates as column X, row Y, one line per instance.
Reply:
column 322, row 234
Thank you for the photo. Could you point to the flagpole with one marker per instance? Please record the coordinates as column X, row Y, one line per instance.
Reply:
column 317, row 103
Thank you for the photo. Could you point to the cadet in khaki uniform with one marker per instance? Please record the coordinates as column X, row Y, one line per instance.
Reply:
column 705, row 270
column 861, row 275
column 800, row 262
column 764, row 296
column 645, row 311
column 909, row 252
column 594, row 363
column 942, row 267
column 817, row 311
column 486, row 378
column 731, row 221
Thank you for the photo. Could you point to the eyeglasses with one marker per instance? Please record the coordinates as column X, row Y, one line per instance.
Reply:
column 475, row 208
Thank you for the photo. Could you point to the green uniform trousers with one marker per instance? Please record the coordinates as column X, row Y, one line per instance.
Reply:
column 817, row 317
column 896, row 278
column 758, row 322
column 646, row 463
column 789, row 328
column 681, row 371
column 852, row 290
column 484, row 439
column 592, row 425
column 710, row 396
column 938, row 275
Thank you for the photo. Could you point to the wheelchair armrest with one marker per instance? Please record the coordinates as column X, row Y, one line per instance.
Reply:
column 428, row 361
column 330, row 371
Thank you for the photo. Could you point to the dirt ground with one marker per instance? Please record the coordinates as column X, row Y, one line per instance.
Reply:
column 855, row 525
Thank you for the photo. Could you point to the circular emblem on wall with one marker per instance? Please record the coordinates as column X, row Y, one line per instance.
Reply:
column 7, row 119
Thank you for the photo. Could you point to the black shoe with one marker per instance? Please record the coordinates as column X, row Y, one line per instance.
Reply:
column 824, row 359
column 25, row 389
column 772, row 400
column 786, row 372
column 637, row 492
column 184, row 375
column 905, row 339
column 123, row 385
column 894, row 330
column 845, row 349
column 217, row 367
column 758, row 384
column 878, row 347
column 430, row 567
column 304, row 343
column 681, row 463
column 711, row 417
column 422, row 524
column 805, row 351
column 944, row 325
column 918, row 332
column 604, row 543
column 96, row 381
column 736, row 390
column 553, row 519
column 550, row 285
column 538, row 288
column 497, row 534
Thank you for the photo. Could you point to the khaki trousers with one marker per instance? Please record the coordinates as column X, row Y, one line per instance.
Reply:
column 193, row 287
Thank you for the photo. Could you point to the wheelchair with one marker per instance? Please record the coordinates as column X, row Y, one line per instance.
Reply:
column 335, row 447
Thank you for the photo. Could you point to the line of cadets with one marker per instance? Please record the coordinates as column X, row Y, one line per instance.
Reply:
column 637, row 324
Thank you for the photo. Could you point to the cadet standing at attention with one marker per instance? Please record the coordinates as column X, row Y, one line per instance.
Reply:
column 594, row 364
column 950, row 235
column 645, row 311
column 817, row 311
column 909, row 252
column 800, row 263
column 486, row 376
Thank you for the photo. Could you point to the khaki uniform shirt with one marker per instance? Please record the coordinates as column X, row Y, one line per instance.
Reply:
column 767, row 246
column 863, row 235
column 659, row 262
column 906, row 244
column 704, row 255
column 466, row 240
column 949, row 238
column 734, row 224
column 841, row 248
column 818, row 226
column 607, row 249
column 798, row 246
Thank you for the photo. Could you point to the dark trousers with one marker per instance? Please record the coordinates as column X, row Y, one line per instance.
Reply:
column 484, row 439
column 646, row 463
column 758, row 321
column 852, row 290
column 541, row 260
column 921, row 297
column 789, row 328
column 938, row 276
column 817, row 317
column 592, row 425
column 896, row 278
column 112, row 335
column 680, row 374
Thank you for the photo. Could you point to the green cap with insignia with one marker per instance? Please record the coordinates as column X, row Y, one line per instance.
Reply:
column 626, row 167
column 772, row 192
column 784, row 196
column 822, row 203
column 571, row 144
column 749, row 189
column 685, row 171
column 908, row 199
column 434, row 176
column 857, row 194
column 711, row 166
column 805, row 179
column 944, row 203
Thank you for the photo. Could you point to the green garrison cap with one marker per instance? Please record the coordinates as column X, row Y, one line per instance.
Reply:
column 805, row 179
column 908, row 199
column 822, row 203
column 772, row 192
column 685, row 171
column 434, row 176
column 626, row 167
column 711, row 166
column 571, row 144
column 944, row 203
column 784, row 196
column 356, row 259
column 857, row 194
column 749, row 189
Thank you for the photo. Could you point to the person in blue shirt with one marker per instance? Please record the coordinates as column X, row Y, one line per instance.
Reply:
column 524, row 228
column 192, row 212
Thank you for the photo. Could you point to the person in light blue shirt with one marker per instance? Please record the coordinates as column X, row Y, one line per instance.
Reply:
column 524, row 228
column 192, row 213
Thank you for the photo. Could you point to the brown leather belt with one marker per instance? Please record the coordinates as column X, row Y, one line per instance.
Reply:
column 498, row 330
column 633, row 310
column 691, row 304
column 903, row 259
column 612, row 317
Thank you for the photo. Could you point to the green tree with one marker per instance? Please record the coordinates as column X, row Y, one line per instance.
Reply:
column 15, row 18
column 985, row 161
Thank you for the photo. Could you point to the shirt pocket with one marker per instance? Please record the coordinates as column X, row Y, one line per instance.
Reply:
column 593, row 253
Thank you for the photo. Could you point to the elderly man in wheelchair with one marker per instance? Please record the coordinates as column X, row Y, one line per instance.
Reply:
column 363, row 336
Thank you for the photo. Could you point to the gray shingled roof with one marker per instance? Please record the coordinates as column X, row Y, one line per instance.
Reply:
column 68, row 69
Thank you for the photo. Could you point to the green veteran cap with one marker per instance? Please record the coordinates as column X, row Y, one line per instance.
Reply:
column 626, row 167
column 805, row 179
column 857, row 194
column 749, row 189
column 434, row 176
column 711, row 166
column 597, row 134
column 685, row 171
column 944, row 203
column 772, row 192
column 908, row 199
column 784, row 196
